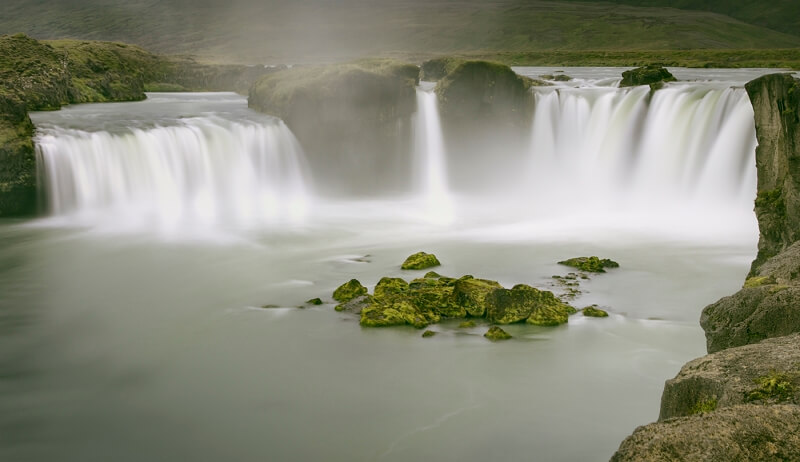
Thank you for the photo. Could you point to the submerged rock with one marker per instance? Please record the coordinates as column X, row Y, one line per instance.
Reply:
column 467, row 324
column 590, row 264
column 355, row 305
column 652, row 75
column 594, row 312
column 314, row 301
column 428, row 333
column 420, row 260
column 738, row 433
column 349, row 290
column 495, row 333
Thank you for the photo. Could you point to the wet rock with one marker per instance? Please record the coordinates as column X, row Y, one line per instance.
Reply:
column 590, row 264
column 349, row 290
column 314, row 301
column 390, row 286
column 646, row 75
column 495, row 333
column 420, row 260
column 594, row 312
column 395, row 311
column 738, row 433
column 467, row 324
column 428, row 333
column 355, row 305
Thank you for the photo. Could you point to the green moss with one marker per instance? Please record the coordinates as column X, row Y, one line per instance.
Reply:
column 395, row 312
column 757, row 281
column 771, row 202
column 525, row 303
column 467, row 324
column 495, row 333
column 594, row 312
column 704, row 405
column 774, row 387
column 432, row 275
column 390, row 286
column 349, row 290
column 590, row 264
column 420, row 260
column 471, row 293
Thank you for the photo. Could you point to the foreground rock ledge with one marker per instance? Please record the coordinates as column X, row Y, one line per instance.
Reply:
column 735, row 376
column 739, row 433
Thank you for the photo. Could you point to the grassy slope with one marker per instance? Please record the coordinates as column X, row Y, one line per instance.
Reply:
column 248, row 31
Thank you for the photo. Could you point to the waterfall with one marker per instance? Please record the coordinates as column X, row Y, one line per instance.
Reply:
column 681, row 146
column 430, row 157
column 202, row 171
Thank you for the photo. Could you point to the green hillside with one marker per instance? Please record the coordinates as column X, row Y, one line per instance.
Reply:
column 281, row 31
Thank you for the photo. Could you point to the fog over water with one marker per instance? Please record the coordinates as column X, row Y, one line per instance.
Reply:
column 133, row 327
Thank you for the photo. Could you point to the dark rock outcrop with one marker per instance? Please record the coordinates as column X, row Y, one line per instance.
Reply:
column 739, row 433
column 733, row 376
column 590, row 264
column 652, row 75
column 435, row 69
column 776, row 103
column 350, row 118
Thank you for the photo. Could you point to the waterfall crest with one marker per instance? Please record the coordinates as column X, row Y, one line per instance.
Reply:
column 204, row 171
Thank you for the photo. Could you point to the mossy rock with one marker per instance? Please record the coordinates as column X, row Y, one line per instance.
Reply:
column 436, row 68
column 396, row 311
column 525, row 303
column 495, row 333
column 470, row 293
column 314, row 301
column 349, row 290
column 594, row 312
column 390, row 286
column 590, row 264
column 562, row 78
column 439, row 300
column 758, row 281
column 483, row 89
column 775, row 387
column 646, row 75
column 420, row 260
column 432, row 275
column 467, row 324
column 428, row 333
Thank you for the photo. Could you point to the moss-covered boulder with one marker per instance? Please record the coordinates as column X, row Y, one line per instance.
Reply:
column 467, row 324
column 349, row 290
column 390, row 286
column 525, row 303
column 495, row 333
column 420, row 260
column 594, row 312
column 480, row 89
column 590, row 264
column 395, row 311
column 652, row 75
column 471, row 293
column 314, row 301
column 428, row 333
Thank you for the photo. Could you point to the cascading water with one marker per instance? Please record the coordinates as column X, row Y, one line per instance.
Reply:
column 205, row 171
column 430, row 157
column 682, row 148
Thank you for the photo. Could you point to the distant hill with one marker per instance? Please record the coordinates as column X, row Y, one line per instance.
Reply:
column 779, row 15
column 312, row 30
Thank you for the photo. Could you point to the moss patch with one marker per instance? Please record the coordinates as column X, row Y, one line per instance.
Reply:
column 703, row 406
column 774, row 387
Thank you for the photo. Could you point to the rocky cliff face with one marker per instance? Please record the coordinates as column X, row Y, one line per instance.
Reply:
column 776, row 102
column 350, row 118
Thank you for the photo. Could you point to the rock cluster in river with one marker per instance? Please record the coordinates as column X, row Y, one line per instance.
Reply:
column 432, row 298
column 653, row 75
